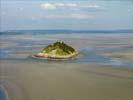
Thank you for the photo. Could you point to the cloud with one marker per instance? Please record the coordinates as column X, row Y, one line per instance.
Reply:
column 53, row 6
column 48, row 6
column 91, row 6
column 71, row 5
column 69, row 16
column 73, row 10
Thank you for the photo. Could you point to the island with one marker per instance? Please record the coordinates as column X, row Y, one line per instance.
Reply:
column 57, row 50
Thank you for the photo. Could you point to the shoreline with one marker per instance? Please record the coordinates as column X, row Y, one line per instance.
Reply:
column 57, row 57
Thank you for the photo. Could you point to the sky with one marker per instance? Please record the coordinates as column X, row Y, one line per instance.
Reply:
column 66, row 14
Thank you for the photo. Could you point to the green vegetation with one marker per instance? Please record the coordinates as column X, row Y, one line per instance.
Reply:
column 58, row 48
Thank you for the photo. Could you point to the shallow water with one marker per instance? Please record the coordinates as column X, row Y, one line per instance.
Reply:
column 89, row 76
column 90, row 46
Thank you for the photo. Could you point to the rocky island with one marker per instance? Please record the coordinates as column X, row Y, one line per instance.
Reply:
column 57, row 50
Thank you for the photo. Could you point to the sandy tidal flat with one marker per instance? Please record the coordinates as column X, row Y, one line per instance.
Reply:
column 41, row 81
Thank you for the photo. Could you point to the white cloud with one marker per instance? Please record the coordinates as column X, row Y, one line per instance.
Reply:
column 53, row 6
column 71, row 5
column 48, row 6
column 69, row 16
column 91, row 6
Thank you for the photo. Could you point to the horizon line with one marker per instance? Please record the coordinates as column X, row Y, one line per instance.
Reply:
column 67, row 30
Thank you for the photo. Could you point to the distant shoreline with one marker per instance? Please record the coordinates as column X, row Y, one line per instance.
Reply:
column 71, row 31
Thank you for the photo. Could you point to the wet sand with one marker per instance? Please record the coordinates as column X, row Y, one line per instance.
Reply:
column 52, row 81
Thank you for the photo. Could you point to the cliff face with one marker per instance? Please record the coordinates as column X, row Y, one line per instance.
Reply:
column 58, row 50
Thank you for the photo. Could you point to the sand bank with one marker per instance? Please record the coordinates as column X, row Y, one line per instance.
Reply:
column 59, row 81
